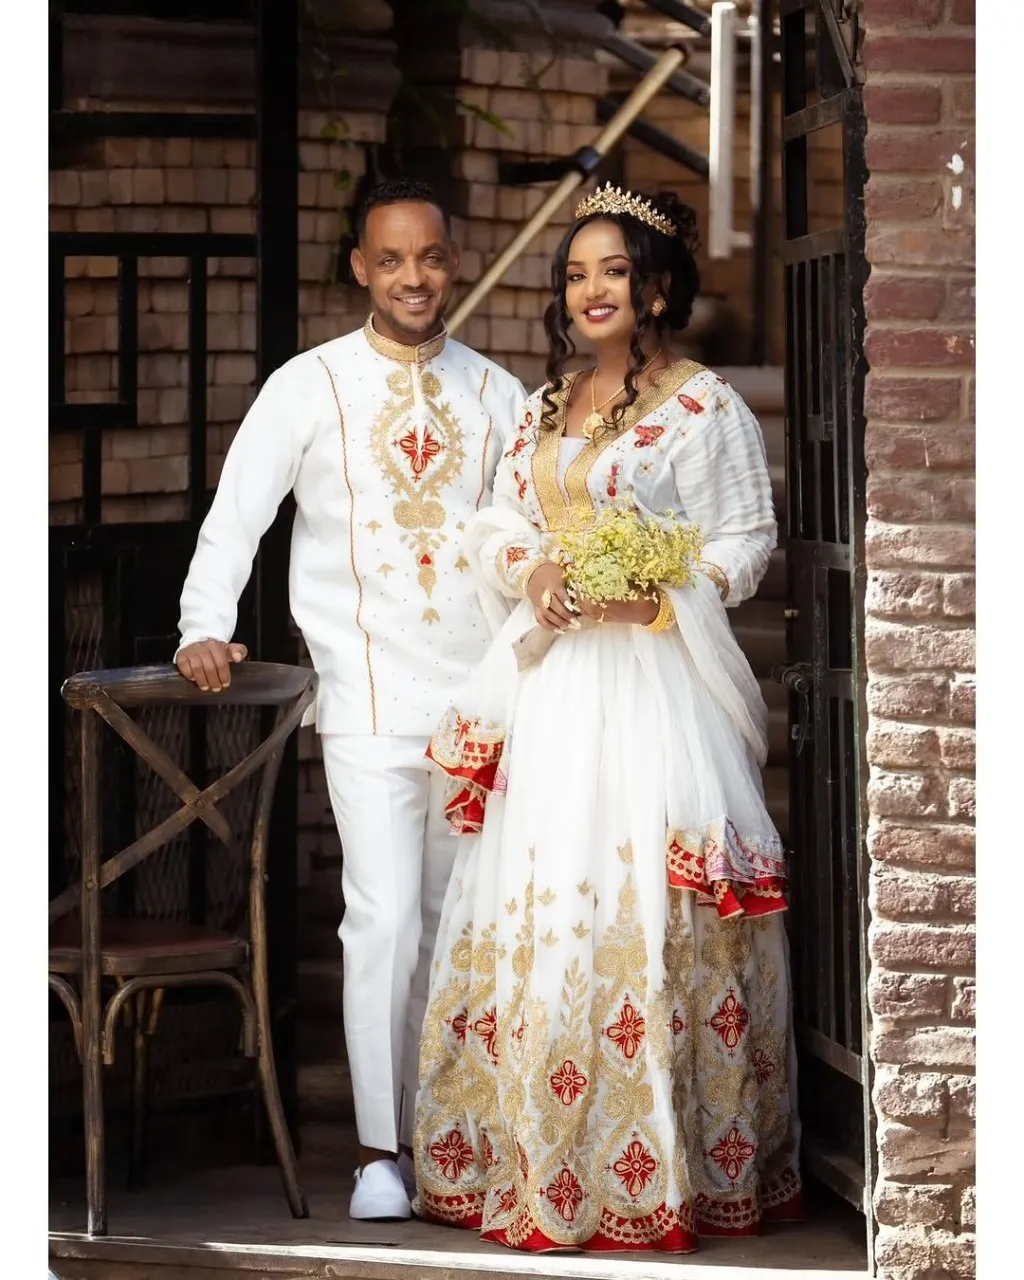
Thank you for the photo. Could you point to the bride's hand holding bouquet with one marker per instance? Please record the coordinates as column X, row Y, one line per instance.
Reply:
column 614, row 571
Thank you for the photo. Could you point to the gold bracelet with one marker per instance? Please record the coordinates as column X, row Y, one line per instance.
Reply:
column 527, row 572
column 717, row 576
column 666, row 615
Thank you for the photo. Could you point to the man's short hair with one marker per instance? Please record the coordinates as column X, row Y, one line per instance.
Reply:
column 397, row 191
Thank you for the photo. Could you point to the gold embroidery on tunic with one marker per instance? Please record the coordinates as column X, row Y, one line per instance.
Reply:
column 487, row 442
column 352, row 543
column 418, row 466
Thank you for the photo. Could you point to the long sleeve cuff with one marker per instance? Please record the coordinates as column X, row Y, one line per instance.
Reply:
column 514, row 563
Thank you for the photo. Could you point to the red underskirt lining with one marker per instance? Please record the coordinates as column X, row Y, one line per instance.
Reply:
column 675, row 1240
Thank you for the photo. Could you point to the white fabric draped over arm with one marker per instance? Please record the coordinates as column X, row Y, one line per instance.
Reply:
column 723, row 483
column 722, row 478
column 259, row 470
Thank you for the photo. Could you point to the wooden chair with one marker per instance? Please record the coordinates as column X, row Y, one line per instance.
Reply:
column 146, row 956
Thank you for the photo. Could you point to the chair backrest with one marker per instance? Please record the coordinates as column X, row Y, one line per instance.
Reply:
column 265, row 684
column 108, row 695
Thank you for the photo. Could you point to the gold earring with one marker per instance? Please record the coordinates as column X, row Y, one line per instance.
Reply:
column 658, row 306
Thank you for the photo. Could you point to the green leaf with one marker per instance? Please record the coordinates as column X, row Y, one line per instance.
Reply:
column 484, row 116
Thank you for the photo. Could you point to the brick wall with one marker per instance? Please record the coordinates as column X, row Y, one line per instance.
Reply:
column 919, row 91
column 184, row 185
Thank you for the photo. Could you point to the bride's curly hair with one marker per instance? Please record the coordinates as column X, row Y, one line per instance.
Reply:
column 654, row 257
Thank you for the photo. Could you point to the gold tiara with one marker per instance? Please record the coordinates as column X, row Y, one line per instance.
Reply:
column 609, row 199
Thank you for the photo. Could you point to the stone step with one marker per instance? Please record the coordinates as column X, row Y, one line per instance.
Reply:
column 773, row 429
column 773, row 584
column 325, row 1092
column 758, row 625
column 776, row 796
column 320, row 1029
column 763, row 387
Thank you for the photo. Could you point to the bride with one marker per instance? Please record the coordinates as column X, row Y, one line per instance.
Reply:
column 607, row 1058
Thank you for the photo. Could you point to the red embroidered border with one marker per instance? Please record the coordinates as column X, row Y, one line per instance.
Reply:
column 688, row 870
column 465, row 804
column 676, row 1232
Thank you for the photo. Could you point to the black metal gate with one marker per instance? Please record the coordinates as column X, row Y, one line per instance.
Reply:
column 114, row 587
column 823, row 255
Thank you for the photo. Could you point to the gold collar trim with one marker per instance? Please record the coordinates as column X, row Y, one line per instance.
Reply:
column 399, row 351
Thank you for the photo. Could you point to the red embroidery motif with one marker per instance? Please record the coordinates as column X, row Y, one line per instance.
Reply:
column 628, row 1031
column 521, row 483
column 453, row 1155
column 731, row 1153
column 520, row 1031
column 566, row 1194
column 688, row 402
column 568, row 1082
column 487, row 1029
column 646, row 436
column 764, row 1067
column 426, row 561
column 509, row 1201
column 513, row 555
column 421, row 453
column 730, row 1021
column 678, row 1025
column 459, row 1023
column 490, row 1159
column 517, row 447
column 613, row 480
column 635, row 1168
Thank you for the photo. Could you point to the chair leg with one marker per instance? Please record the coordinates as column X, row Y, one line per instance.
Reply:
column 92, row 997
column 259, row 1156
column 272, row 1098
column 140, row 1066
column 92, row 1102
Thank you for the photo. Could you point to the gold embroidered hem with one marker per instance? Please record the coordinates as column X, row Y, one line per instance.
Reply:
column 541, row 1120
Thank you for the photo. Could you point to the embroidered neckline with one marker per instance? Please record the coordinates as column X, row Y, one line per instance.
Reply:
column 578, row 511
column 400, row 351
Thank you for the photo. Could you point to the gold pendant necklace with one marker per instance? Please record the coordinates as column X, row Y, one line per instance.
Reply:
column 595, row 419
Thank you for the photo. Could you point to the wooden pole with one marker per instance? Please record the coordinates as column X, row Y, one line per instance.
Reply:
column 648, row 87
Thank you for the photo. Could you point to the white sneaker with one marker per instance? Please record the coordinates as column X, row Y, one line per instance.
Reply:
column 407, row 1170
column 379, row 1194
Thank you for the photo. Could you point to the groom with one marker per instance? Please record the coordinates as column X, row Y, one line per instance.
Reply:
column 389, row 438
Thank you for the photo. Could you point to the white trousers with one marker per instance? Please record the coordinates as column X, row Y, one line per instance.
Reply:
column 397, row 855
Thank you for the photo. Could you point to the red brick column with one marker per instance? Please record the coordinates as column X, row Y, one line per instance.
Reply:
column 919, row 304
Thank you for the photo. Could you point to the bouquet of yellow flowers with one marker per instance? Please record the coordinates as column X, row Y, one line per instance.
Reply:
column 621, row 556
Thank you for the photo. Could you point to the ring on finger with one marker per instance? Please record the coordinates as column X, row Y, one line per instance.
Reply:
column 545, row 599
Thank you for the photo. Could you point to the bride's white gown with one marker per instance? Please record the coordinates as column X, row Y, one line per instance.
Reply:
column 607, row 1058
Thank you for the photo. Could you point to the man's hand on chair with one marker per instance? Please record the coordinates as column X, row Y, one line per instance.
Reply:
column 207, row 663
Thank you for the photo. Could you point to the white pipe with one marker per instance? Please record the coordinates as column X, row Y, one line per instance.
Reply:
column 722, row 238
column 756, row 107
